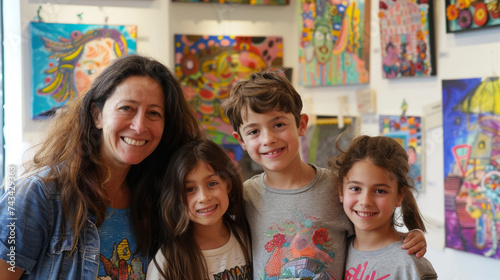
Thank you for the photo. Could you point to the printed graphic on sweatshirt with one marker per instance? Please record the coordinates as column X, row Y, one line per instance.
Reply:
column 298, row 249
column 359, row 272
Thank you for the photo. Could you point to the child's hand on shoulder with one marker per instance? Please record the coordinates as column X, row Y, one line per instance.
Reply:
column 415, row 243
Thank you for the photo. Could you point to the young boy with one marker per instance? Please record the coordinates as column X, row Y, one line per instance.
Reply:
column 298, row 226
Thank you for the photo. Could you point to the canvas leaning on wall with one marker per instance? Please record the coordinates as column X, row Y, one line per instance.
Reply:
column 318, row 145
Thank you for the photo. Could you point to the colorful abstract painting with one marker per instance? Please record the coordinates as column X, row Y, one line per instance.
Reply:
column 471, row 133
column 318, row 144
column 208, row 66
column 407, row 38
column 65, row 58
column 462, row 15
column 250, row 2
column 408, row 132
column 334, row 42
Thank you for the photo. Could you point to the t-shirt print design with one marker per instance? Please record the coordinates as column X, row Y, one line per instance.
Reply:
column 298, row 248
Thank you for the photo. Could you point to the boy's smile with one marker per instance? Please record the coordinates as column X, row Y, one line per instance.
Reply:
column 272, row 138
column 274, row 153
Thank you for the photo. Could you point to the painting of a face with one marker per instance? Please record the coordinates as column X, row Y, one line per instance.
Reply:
column 97, row 55
column 334, row 44
column 67, row 57
column 323, row 43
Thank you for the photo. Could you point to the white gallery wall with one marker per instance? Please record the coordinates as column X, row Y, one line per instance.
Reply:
column 467, row 55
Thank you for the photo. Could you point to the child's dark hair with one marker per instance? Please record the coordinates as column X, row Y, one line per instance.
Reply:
column 261, row 93
column 184, row 259
column 389, row 155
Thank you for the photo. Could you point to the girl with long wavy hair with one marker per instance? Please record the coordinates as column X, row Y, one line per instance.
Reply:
column 205, row 231
column 373, row 180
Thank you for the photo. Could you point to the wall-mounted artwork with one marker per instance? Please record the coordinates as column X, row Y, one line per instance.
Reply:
column 208, row 66
column 462, row 15
column 250, row 2
column 334, row 42
column 317, row 146
column 407, row 130
column 407, row 38
column 65, row 58
column 471, row 133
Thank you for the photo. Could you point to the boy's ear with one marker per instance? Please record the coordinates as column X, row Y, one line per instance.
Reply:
column 237, row 136
column 341, row 198
column 304, row 118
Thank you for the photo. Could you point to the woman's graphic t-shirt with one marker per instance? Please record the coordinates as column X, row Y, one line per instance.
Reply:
column 118, row 243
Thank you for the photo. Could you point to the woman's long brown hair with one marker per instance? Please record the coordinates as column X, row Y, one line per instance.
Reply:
column 72, row 152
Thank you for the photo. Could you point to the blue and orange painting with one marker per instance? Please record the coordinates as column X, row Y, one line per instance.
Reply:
column 67, row 57
column 471, row 127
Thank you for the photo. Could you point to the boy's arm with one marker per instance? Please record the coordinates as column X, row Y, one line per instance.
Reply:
column 415, row 243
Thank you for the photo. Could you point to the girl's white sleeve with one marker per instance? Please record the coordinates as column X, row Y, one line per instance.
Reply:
column 153, row 272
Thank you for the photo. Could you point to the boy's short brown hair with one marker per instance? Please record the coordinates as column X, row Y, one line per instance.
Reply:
column 261, row 93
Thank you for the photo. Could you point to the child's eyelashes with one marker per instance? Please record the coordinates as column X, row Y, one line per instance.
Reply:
column 380, row 191
column 252, row 132
column 213, row 184
column 210, row 184
column 279, row 125
column 355, row 189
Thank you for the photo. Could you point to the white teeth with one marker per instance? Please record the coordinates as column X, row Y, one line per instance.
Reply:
column 365, row 214
column 134, row 142
column 275, row 152
column 207, row 210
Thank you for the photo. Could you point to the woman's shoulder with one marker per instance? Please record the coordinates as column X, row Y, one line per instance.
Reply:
column 36, row 182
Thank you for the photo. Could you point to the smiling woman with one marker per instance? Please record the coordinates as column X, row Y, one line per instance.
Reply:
column 132, row 121
column 88, row 208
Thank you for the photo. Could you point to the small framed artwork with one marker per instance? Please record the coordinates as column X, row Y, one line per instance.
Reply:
column 318, row 145
column 406, row 130
column 407, row 38
column 248, row 2
column 463, row 15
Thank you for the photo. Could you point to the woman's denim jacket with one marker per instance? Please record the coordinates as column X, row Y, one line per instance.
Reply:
column 31, row 234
